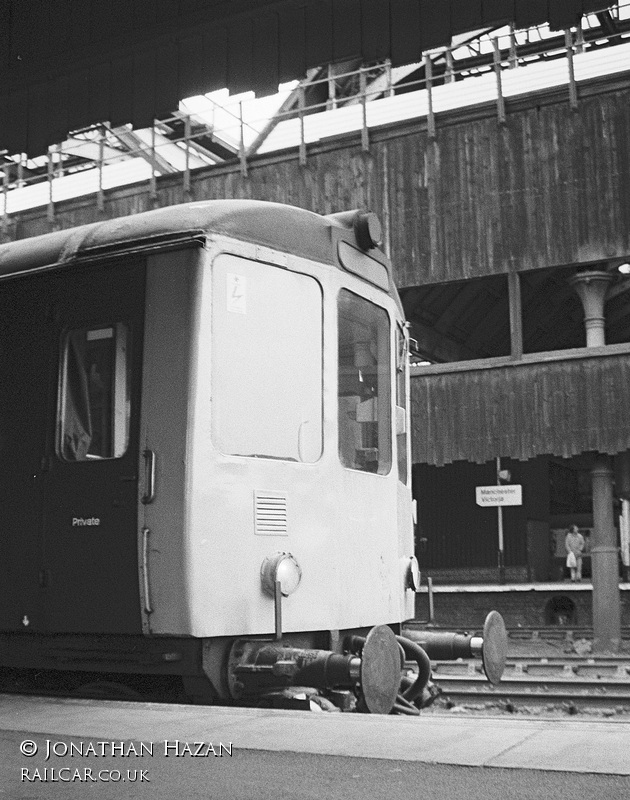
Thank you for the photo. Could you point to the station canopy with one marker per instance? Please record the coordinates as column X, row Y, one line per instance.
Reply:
column 67, row 64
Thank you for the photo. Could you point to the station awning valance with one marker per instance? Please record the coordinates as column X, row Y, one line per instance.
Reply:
column 561, row 403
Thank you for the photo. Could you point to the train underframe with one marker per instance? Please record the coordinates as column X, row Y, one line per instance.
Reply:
column 379, row 670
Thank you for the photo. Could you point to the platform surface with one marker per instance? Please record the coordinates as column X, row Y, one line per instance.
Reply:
column 501, row 588
column 565, row 745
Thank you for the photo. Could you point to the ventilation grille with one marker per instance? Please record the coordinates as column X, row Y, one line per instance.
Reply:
column 270, row 513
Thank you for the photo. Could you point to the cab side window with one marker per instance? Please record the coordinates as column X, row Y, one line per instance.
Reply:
column 364, row 393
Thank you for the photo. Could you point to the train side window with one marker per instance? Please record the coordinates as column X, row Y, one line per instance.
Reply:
column 364, row 393
column 94, row 393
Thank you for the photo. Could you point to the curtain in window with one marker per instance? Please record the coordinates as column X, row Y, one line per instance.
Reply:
column 77, row 422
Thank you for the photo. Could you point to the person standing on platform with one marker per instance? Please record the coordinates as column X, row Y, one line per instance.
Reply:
column 574, row 544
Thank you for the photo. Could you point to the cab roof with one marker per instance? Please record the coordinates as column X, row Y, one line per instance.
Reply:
column 281, row 227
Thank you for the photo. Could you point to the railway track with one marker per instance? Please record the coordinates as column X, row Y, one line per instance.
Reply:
column 572, row 681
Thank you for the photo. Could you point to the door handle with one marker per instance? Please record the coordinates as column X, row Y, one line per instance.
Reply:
column 145, row 570
column 149, row 471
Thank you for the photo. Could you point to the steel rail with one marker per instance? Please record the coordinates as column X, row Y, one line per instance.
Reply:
column 606, row 682
column 545, row 694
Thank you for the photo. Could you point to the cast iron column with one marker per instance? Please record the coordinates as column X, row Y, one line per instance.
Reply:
column 591, row 286
column 604, row 565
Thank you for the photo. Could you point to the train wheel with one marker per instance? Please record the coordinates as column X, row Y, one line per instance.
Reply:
column 198, row 690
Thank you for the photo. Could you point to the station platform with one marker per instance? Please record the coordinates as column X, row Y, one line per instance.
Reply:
column 522, row 605
column 501, row 588
column 554, row 745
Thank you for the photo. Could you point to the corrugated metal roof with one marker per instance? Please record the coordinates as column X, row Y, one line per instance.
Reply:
column 62, row 68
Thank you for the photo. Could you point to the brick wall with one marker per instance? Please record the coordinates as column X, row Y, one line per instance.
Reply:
column 474, row 575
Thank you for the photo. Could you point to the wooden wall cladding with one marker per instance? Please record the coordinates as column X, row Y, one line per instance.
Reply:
column 548, row 188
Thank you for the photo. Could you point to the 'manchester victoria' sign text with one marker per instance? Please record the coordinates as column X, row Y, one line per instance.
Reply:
column 511, row 495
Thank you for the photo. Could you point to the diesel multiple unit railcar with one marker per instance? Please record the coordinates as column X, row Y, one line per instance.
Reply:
column 204, row 453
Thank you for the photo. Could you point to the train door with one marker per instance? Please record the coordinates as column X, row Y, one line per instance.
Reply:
column 24, row 398
column 89, row 482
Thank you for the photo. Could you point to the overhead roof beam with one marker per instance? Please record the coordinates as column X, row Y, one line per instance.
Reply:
column 198, row 155
column 136, row 147
column 382, row 83
column 609, row 25
column 89, row 149
column 287, row 106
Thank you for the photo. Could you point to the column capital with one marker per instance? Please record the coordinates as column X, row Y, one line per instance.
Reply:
column 590, row 276
column 602, row 466
column 591, row 286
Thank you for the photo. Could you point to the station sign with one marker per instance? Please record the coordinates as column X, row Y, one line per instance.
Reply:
column 511, row 495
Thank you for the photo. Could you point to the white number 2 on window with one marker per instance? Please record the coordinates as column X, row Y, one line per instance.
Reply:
column 236, row 293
